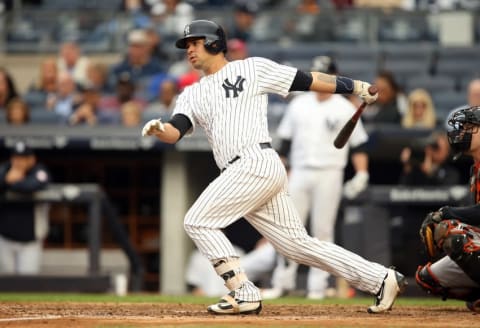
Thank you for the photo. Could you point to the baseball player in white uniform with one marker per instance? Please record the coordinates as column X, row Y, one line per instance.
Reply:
column 307, row 131
column 230, row 104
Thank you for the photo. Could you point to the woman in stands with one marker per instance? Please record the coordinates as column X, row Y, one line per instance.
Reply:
column 420, row 111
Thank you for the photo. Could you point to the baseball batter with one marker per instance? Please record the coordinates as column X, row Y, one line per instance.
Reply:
column 307, row 131
column 230, row 104
column 452, row 234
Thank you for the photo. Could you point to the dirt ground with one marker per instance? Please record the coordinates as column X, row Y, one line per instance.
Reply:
column 52, row 315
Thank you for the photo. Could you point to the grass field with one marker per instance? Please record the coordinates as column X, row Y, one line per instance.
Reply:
column 157, row 298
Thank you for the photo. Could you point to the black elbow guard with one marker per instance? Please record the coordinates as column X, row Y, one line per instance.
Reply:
column 302, row 81
column 181, row 123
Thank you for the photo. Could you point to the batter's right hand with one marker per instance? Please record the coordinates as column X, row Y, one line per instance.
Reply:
column 153, row 126
column 360, row 88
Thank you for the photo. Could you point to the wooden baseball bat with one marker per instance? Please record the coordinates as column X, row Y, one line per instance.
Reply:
column 346, row 131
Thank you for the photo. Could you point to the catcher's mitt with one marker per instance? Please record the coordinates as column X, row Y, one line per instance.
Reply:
column 427, row 231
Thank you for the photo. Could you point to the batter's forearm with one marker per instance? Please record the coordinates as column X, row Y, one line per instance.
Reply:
column 171, row 135
column 322, row 82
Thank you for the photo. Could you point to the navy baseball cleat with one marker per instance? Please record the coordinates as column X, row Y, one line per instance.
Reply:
column 229, row 305
column 393, row 285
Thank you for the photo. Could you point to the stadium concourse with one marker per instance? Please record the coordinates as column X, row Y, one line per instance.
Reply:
column 428, row 47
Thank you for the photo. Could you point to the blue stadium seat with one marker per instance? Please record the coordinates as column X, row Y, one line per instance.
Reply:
column 404, row 70
column 303, row 51
column 432, row 84
column 446, row 101
column 357, row 69
column 43, row 116
column 270, row 50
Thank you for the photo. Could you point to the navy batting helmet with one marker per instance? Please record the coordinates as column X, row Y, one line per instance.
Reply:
column 215, row 40
column 462, row 123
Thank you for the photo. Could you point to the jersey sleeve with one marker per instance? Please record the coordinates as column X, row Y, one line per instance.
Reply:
column 185, row 104
column 273, row 77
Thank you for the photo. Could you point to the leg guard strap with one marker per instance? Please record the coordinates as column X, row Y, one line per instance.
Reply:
column 231, row 273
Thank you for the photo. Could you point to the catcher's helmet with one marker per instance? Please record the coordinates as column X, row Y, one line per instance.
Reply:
column 215, row 40
column 461, row 124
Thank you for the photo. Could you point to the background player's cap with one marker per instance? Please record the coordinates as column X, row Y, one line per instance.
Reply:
column 324, row 64
column 22, row 149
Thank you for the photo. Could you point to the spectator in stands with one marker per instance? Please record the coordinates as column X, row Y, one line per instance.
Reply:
column 124, row 92
column 237, row 49
column 156, row 45
column 474, row 92
column 427, row 162
column 244, row 16
column 97, row 76
column 131, row 114
column 18, row 112
column 390, row 104
column 8, row 90
column 138, row 62
column 86, row 111
column 420, row 111
column 342, row 4
column 66, row 99
column 46, row 84
column 24, row 225
column 70, row 60
column 165, row 102
column 170, row 17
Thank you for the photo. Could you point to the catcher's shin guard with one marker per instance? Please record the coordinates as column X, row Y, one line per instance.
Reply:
column 429, row 282
column 393, row 285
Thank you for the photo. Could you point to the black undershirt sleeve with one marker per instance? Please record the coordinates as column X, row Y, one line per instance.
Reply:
column 302, row 81
column 468, row 214
column 362, row 148
column 182, row 123
column 285, row 145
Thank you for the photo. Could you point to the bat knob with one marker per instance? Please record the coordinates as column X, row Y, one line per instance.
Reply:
column 372, row 90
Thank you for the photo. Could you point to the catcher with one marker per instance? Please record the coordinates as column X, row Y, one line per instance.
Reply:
column 452, row 235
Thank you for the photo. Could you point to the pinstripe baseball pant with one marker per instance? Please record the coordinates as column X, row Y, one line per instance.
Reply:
column 255, row 187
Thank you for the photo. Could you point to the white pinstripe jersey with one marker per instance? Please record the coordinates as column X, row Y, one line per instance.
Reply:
column 231, row 104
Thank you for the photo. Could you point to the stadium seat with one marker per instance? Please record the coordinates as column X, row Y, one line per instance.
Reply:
column 270, row 50
column 357, row 69
column 43, row 116
column 303, row 51
column 406, row 69
column 446, row 101
column 397, row 26
column 458, row 69
column 432, row 84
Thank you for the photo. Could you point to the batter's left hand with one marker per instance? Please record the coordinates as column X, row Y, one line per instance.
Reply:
column 153, row 126
column 360, row 88
column 356, row 185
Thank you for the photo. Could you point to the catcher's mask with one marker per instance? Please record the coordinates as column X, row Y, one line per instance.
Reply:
column 214, row 35
column 462, row 124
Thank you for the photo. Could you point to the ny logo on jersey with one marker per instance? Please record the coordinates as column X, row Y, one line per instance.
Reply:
column 331, row 124
column 236, row 87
